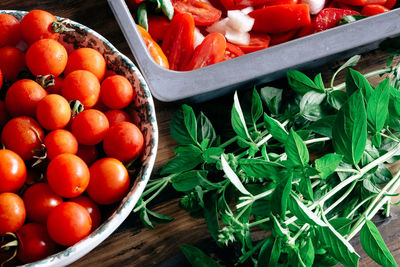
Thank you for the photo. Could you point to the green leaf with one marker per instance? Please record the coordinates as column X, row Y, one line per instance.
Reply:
column 349, row 63
column 279, row 230
column 197, row 258
column 350, row 131
column 238, row 121
column 142, row 15
column 183, row 126
column 159, row 218
column 303, row 213
column 144, row 217
column 276, row 129
column 350, row 18
column 307, row 252
column 265, row 252
column 355, row 81
column 374, row 246
column 300, row 83
column 327, row 164
column 205, row 129
column 272, row 97
column 212, row 154
column 211, row 214
column 319, row 82
column 310, row 108
column 391, row 46
column 294, row 258
column 256, row 107
column 261, row 168
column 275, row 253
column 336, row 99
column 281, row 194
column 378, row 106
column 305, row 188
column 342, row 225
column 187, row 181
column 370, row 185
column 323, row 126
column 231, row 175
column 296, row 150
column 187, row 158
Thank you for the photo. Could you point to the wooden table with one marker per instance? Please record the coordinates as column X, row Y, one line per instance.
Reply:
column 132, row 245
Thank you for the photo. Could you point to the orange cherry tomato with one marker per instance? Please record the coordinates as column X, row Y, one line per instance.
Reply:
column 36, row 25
column 59, row 142
column 232, row 51
column 46, row 56
column 81, row 85
column 10, row 29
column 203, row 13
column 53, row 112
column 210, row 51
column 24, row 136
column 12, row 60
column 115, row 115
column 178, row 41
column 258, row 41
column 109, row 181
column 68, row 175
column 12, row 171
column 90, row 127
column 116, row 92
column 86, row 59
column 158, row 25
column 91, row 208
column 371, row 10
column 154, row 49
column 68, row 223
column 12, row 212
column 88, row 154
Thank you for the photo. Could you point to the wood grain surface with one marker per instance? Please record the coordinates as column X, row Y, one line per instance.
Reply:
column 133, row 245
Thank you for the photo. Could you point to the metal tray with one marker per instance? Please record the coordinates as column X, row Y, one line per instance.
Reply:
column 258, row 67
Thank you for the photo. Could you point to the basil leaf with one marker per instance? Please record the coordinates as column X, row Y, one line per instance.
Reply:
column 187, row 158
column 275, row 253
column 391, row 46
column 374, row 246
column 371, row 186
column 355, row 81
column 349, row 63
column 307, row 253
column 350, row 131
column 342, row 225
column 231, row 175
column 319, row 82
column 305, row 188
column 238, row 121
column 187, row 181
column 279, row 230
column 303, row 213
column 265, row 252
column 159, row 218
column 294, row 258
column 212, row 154
column 350, row 18
column 296, row 150
column 211, row 214
column 310, row 108
column 323, row 126
column 378, row 106
column 300, row 83
column 272, row 97
column 336, row 99
column 144, row 218
column 256, row 107
column 205, row 130
column 197, row 258
column 327, row 164
column 276, row 129
column 382, row 175
column 183, row 126
column 261, row 169
column 281, row 194
column 142, row 15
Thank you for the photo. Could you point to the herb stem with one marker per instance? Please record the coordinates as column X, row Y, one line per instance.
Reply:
column 163, row 185
column 267, row 219
column 343, row 197
column 265, row 139
column 346, row 170
column 367, row 75
column 229, row 142
column 316, row 140
column 359, row 205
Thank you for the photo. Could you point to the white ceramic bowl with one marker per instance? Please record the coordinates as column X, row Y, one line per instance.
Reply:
column 144, row 108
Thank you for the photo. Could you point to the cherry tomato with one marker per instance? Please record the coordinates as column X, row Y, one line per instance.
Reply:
column 57, row 87
column 88, row 154
column 124, row 141
column 158, row 25
column 68, row 175
column 53, row 112
column 39, row 200
column 210, row 51
column 86, row 59
column 115, row 115
column 68, row 223
column 90, row 126
column 34, row 243
column 10, row 29
column 46, row 56
column 154, row 49
column 258, row 41
column 203, row 13
column 390, row 3
column 306, row 30
column 60, row 141
column 91, row 207
column 12, row 60
column 371, row 10
column 290, row 17
column 23, row 135
column 1, row 78
column 81, row 85
column 116, row 92
column 3, row 113
column 329, row 17
column 232, row 51
column 23, row 97
column 36, row 25
column 178, row 41
column 12, row 171
column 12, row 212
column 109, row 181
column 280, row 38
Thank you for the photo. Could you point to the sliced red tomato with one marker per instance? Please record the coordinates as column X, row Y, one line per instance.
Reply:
column 265, row 3
column 371, row 10
column 306, row 30
column 158, row 25
column 329, row 17
column 232, row 5
column 202, row 12
column 280, row 18
column 210, row 51
column 362, row 2
column 390, row 3
column 232, row 51
column 258, row 41
column 280, row 38
column 178, row 41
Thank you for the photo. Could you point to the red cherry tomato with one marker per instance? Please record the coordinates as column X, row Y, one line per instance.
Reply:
column 329, row 17
column 90, row 126
column 158, row 25
column 86, row 59
column 280, row 38
column 36, row 25
column 46, row 56
column 91, row 207
column 34, row 243
column 68, row 223
column 232, row 51
column 1, row 78
column 24, row 136
column 115, row 115
column 39, row 200
column 210, row 51
column 68, row 175
column 109, row 181
column 12, row 171
column 12, row 212
column 12, row 60
column 258, row 41
column 59, row 142
column 390, row 3
column 116, row 92
column 81, row 85
column 124, row 141
column 371, row 10
column 53, row 112
column 178, row 41
column 202, row 12
column 10, row 29
column 88, row 154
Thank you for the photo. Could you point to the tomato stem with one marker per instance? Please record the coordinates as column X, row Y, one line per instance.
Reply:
column 46, row 80
column 61, row 26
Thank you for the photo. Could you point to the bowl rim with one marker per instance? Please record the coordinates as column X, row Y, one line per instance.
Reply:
column 87, row 244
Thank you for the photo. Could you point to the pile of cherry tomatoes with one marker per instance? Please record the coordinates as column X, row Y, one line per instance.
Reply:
column 67, row 137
